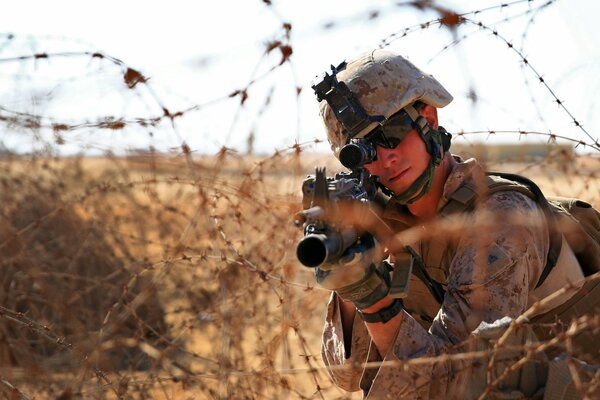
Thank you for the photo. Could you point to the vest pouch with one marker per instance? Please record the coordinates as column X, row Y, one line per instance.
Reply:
column 525, row 382
column 580, row 224
column 561, row 385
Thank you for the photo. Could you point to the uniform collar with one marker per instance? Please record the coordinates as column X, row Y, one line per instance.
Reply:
column 462, row 172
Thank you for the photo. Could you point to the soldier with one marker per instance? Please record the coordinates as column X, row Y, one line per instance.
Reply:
column 385, row 108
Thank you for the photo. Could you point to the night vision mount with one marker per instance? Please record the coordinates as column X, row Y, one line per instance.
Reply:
column 348, row 111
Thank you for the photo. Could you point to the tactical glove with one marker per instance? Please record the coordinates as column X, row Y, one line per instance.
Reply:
column 359, row 275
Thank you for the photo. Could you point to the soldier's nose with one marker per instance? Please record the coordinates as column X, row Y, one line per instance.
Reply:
column 386, row 157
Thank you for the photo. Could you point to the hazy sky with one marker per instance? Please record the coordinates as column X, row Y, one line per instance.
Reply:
column 196, row 53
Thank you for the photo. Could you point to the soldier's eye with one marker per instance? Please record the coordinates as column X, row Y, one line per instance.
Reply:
column 394, row 142
column 392, row 132
column 379, row 138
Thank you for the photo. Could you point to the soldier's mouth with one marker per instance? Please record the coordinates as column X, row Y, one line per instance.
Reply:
column 399, row 175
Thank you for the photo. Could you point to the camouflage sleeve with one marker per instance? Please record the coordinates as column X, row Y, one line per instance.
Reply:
column 497, row 263
column 344, row 369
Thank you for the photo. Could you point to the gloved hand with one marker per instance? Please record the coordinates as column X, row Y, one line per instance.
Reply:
column 354, row 276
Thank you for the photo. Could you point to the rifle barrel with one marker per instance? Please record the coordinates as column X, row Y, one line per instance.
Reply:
column 317, row 248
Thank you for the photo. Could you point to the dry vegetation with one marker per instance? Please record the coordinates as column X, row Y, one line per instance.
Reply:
column 169, row 266
column 170, row 276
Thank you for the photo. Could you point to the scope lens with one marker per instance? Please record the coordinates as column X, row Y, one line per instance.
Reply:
column 351, row 156
column 355, row 155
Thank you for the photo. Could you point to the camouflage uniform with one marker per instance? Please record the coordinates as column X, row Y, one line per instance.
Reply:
column 489, row 270
column 492, row 274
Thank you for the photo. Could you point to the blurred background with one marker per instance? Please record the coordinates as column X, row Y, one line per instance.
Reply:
column 238, row 74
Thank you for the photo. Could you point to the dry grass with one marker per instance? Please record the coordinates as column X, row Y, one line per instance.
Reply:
column 169, row 276
column 164, row 266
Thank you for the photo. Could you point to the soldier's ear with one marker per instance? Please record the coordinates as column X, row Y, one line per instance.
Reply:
column 430, row 114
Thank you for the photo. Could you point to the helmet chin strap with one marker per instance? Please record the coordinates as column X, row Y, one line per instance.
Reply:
column 415, row 191
column 435, row 140
column 419, row 188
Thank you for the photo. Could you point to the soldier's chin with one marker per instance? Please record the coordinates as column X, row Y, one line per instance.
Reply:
column 399, row 186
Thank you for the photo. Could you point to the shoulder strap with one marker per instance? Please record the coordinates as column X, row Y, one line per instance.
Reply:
column 463, row 199
column 434, row 287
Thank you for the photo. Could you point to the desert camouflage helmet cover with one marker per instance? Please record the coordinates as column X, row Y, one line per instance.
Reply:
column 383, row 83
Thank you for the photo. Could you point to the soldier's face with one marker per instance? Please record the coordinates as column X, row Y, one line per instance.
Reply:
column 399, row 167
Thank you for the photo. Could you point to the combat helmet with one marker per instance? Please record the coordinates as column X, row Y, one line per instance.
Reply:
column 364, row 93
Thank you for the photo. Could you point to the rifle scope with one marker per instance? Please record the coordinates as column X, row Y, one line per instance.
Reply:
column 355, row 155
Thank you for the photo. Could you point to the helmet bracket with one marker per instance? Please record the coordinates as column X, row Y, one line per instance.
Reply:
column 346, row 107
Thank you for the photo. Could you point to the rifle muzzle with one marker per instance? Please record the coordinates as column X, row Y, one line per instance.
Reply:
column 317, row 248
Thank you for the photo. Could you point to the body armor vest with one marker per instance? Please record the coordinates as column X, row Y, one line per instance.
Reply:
column 575, row 220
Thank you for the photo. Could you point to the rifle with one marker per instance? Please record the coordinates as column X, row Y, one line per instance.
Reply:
column 327, row 237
